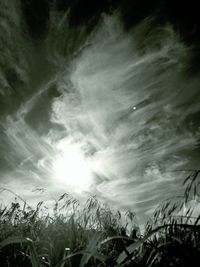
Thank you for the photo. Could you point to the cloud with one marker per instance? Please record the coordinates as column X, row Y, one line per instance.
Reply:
column 129, row 107
column 124, row 105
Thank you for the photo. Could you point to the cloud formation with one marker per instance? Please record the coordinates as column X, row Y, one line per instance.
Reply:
column 121, row 104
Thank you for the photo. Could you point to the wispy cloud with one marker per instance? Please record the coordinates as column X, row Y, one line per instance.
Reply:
column 121, row 108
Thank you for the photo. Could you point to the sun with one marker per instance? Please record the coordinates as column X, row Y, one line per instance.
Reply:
column 71, row 168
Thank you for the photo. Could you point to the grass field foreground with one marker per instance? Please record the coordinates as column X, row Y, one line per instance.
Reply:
column 94, row 235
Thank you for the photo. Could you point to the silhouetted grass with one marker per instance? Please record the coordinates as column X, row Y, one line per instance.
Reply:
column 94, row 235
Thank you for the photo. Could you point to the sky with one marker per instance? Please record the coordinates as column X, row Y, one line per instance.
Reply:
column 98, row 101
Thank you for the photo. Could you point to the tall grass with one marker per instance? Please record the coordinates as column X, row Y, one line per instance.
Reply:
column 93, row 235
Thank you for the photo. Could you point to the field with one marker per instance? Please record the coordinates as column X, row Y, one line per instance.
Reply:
column 92, row 234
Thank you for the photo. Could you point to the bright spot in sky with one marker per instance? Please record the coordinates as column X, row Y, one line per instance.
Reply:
column 71, row 168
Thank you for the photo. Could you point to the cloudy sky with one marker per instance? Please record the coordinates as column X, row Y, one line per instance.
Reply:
column 98, row 100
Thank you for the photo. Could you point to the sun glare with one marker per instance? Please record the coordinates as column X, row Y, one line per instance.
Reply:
column 71, row 168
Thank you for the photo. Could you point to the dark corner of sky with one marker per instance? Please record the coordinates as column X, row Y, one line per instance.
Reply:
column 183, row 15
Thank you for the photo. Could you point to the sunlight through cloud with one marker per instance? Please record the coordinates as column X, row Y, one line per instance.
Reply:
column 71, row 168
